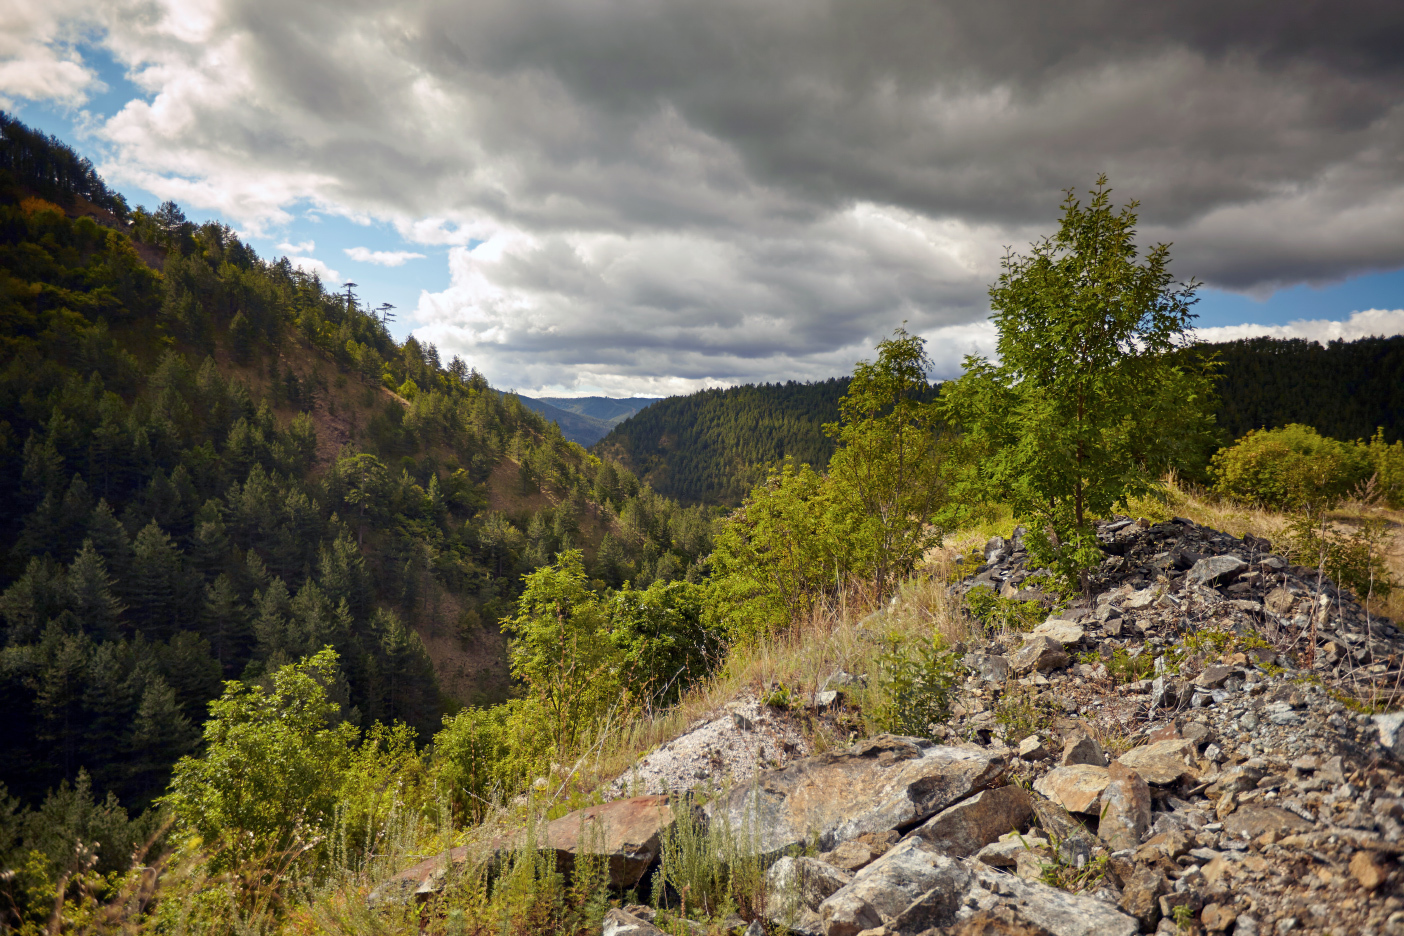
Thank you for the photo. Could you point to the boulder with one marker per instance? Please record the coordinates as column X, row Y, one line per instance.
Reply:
column 1214, row 676
column 968, row 826
column 1140, row 600
column 1005, row 852
column 1160, row 763
column 1140, row 896
column 627, row 833
column 1032, row 749
column 1253, row 820
column 1067, row 633
column 1057, row 911
column 999, row 921
column 1214, row 569
column 1039, row 654
column 911, row 872
column 1391, row 729
column 873, row 786
column 991, row 667
column 795, row 887
column 1081, row 748
column 1077, row 788
column 1125, row 808
column 623, row 923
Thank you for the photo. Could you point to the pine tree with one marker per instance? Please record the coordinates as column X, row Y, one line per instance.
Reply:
column 156, row 570
column 90, row 597
column 225, row 623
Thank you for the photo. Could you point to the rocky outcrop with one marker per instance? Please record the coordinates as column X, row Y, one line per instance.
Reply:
column 875, row 785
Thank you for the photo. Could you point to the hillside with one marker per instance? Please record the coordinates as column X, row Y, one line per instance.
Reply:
column 210, row 466
column 710, row 447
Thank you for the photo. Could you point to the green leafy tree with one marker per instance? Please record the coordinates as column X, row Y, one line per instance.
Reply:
column 887, row 472
column 1292, row 468
column 561, row 649
column 775, row 556
column 665, row 641
column 273, row 764
column 1085, row 326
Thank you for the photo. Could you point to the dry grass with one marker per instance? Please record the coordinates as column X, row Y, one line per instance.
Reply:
column 849, row 634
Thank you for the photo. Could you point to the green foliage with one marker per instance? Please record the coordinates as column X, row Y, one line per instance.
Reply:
column 886, row 475
column 274, row 764
column 1354, row 559
column 709, row 869
column 1076, row 415
column 713, row 446
column 561, row 649
column 916, row 684
column 986, row 606
column 666, row 646
column 1021, row 711
column 776, row 556
column 1292, row 468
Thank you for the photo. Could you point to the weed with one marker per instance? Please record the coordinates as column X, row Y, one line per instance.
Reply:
column 1182, row 916
column 1020, row 712
column 781, row 697
column 997, row 613
column 916, row 684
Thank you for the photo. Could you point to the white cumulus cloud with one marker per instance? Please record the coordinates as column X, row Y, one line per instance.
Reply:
column 1364, row 324
column 313, row 265
column 389, row 258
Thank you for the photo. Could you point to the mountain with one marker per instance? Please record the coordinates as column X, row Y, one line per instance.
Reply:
column 211, row 466
column 582, row 430
column 586, row 420
column 612, row 410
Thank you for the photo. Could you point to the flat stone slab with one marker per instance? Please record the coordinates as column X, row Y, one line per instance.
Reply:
column 873, row 786
column 1067, row 633
column 1161, row 763
column 627, row 832
column 1214, row 569
column 963, row 829
column 1076, row 787
column 1253, row 820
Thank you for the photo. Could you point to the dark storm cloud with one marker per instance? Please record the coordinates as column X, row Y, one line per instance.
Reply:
column 721, row 189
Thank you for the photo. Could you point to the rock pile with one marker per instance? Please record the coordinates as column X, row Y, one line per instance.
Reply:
column 1172, row 753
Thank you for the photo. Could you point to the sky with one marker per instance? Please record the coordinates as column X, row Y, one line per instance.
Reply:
column 639, row 197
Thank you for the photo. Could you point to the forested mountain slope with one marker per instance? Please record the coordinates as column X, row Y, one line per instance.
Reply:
column 210, row 466
column 710, row 447
column 612, row 410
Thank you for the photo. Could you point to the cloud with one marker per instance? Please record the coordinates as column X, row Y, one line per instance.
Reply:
column 390, row 258
column 313, row 265
column 1369, row 323
column 302, row 247
column 38, row 61
column 638, row 192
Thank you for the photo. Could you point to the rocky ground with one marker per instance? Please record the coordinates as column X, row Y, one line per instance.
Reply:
column 1183, row 751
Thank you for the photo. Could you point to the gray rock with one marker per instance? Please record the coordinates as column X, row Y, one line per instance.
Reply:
column 1005, row 852
column 1059, row 912
column 1391, row 729
column 968, row 826
column 873, row 786
column 1215, row 569
column 1214, row 676
column 1125, row 808
column 1032, row 749
column 991, row 667
column 1039, row 654
column 623, row 923
column 1140, row 896
column 1082, row 748
column 890, row 885
column 1162, row 762
column 795, row 887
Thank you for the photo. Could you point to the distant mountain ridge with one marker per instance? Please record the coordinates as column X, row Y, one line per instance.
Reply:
column 586, row 420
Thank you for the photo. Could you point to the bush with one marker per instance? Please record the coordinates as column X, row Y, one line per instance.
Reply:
column 665, row 643
column 273, row 766
column 916, row 685
column 1291, row 468
column 1388, row 464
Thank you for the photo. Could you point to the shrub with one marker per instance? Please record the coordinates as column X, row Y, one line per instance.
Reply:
column 273, row 765
column 666, row 644
column 1388, row 464
column 1290, row 468
column 916, row 684
column 994, row 612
